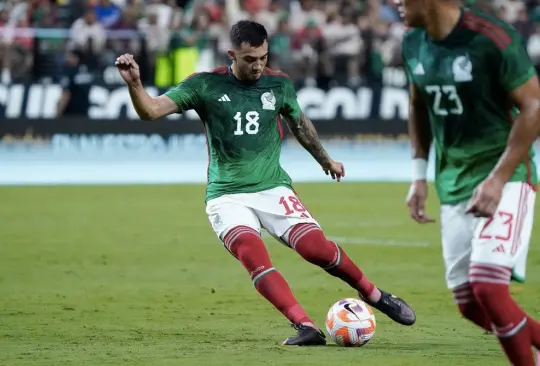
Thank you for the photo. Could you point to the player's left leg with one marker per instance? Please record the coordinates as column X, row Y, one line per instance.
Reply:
column 285, row 217
column 238, row 227
column 497, row 244
column 457, row 234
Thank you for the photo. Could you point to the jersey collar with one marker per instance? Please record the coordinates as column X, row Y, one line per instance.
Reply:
column 238, row 81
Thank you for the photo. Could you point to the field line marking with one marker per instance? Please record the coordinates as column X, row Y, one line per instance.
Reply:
column 369, row 241
column 383, row 242
column 360, row 223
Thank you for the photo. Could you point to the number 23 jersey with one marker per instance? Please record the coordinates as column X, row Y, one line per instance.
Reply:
column 465, row 81
column 242, row 126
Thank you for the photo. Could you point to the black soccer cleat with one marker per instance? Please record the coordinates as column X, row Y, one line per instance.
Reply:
column 306, row 336
column 395, row 308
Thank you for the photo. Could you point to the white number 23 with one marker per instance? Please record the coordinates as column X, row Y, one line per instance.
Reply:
column 450, row 96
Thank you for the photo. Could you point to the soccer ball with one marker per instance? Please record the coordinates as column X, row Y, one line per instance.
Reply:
column 350, row 323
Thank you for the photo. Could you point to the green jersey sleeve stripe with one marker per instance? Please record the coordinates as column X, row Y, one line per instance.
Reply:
column 521, row 80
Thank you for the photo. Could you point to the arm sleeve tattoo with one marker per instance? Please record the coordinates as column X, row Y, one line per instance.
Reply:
column 306, row 134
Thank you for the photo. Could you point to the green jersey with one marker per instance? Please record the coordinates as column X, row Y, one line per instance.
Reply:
column 465, row 81
column 242, row 126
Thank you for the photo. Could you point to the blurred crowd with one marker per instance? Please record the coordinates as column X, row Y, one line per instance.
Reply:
column 317, row 42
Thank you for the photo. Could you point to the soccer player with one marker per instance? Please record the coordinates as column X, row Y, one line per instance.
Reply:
column 240, row 107
column 468, row 72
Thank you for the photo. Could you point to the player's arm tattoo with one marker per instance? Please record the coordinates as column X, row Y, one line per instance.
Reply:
column 418, row 125
column 306, row 134
column 524, row 132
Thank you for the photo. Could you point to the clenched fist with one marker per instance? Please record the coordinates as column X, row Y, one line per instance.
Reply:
column 128, row 68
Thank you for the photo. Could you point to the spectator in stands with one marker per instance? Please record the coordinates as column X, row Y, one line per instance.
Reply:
column 4, row 48
column 388, row 12
column 218, row 32
column 164, row 11
column 88, row 35
column 303, row 11
column 17, row 10
column 391, row 45
column 344, row 44
column 42, row 14
column 157, row 38
column 307, row 45
column 107, row 13
column 374, row 36
column 315, row 41
column 129, row 42
column 280, row 47
column 16, row 43
column 512, row 7
column 196, row 35
column 258, row 10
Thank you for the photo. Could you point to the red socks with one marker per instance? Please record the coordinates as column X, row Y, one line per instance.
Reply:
column 518, row 335
column 247, row 246
column 534, row 328
column 469, row 307
column 489, row 284
column 309, row 241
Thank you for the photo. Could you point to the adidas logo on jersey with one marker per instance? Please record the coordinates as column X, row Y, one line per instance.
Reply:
column 419, row 70
column 224, row 98
column 499, row 249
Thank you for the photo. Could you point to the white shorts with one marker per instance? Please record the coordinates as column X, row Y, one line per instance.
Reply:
column 277, row 210
column 502, row 240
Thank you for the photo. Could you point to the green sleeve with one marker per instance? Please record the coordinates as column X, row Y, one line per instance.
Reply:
column 408, row 63
column 516, row 67
column 187, row 95
column 290, row 108
column 405, row 63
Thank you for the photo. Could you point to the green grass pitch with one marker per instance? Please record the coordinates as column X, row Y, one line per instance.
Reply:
column 134, row 275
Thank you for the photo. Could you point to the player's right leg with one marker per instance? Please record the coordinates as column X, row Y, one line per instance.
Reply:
column 308, row 240
column 496, row 245
column 286, row 218
column 456, row 234
column 239, row 229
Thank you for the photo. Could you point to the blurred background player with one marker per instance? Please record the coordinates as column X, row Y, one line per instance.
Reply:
column 76, row 83
column 467, row 70
column 247, row 188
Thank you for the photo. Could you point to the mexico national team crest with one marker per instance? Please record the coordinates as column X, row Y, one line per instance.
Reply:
column 268, row 100
column 462, row 69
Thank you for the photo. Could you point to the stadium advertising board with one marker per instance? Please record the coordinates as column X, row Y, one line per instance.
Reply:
column 28, row 115
column 363, row 104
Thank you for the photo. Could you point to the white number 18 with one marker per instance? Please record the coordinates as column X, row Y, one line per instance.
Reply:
column 252, row 125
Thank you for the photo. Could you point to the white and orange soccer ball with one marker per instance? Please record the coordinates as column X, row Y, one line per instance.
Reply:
column 350, row 323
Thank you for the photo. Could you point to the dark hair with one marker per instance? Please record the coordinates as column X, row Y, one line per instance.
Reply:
column 247, row 31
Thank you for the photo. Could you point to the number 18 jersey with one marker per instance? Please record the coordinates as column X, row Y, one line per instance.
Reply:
column 242, row 126
column 465, row 80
